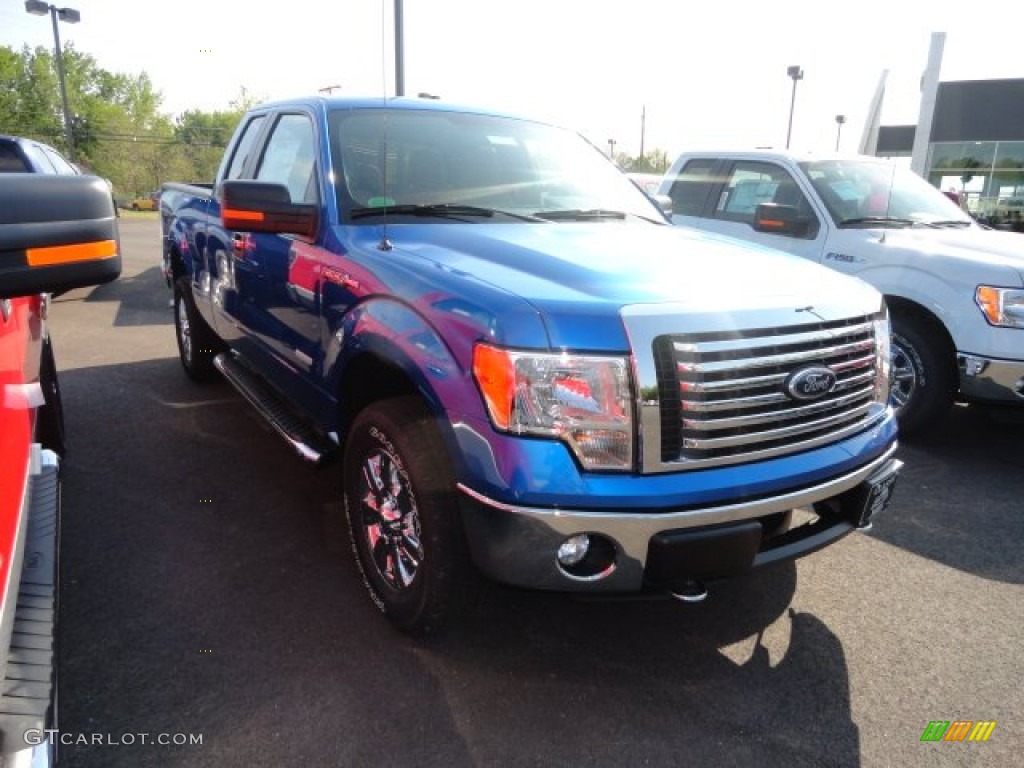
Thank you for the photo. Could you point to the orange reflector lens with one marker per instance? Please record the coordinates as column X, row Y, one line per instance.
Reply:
column 988, row 300
column 495, row 374
column 772, row 223
column 67, row 254
column 237, row 215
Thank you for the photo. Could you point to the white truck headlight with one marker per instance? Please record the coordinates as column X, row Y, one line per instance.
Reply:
column 585, row 400
column 1001, row 306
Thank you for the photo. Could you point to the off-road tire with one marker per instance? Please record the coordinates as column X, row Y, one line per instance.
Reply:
column 403, row 518
column 50, row 418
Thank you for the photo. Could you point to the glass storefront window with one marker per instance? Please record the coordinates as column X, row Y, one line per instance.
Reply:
column 962, row 156
column 1010, row 154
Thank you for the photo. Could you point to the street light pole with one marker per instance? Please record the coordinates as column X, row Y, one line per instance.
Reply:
column 399, row 49
column 71, row 16
column 643, row 131
column 796, row 74
column 840, row 119
column 611, row 149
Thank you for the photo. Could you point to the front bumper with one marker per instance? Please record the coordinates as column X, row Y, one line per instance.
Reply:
column 518, row 545
column 990, row 379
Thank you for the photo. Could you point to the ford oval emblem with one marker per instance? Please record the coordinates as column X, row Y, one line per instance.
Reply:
column 810, row 383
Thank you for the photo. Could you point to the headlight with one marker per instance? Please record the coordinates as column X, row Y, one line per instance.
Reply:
column 1001, row 306
column 883, row 353
column 585, row 400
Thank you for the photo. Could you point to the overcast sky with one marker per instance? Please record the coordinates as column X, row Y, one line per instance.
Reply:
column 709, row 73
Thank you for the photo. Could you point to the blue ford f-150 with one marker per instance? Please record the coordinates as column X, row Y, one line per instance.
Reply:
column 523, row 369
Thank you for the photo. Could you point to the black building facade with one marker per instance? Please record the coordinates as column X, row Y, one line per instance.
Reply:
column 975, row 147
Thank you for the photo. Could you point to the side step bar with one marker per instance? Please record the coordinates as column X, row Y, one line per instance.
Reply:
column 306, row 442
column 27, row 694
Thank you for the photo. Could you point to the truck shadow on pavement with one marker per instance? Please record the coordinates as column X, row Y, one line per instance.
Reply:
column 652, row 682
column 202, row 592
column 960, row 495
column 142, row 299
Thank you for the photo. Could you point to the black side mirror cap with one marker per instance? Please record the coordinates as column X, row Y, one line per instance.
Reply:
column 56, row 233
column 262, row 206
column 780, row 219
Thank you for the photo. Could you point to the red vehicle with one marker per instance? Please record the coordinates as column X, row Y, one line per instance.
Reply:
column 56, row 233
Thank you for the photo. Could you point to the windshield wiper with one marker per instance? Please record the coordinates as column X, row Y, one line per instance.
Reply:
column 452, row 210
column 580, row 214
column 951, row 223
column 871, row 221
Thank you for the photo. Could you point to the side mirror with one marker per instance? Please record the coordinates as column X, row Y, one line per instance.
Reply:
column 664, row 202
column 262, row 206
column 780, row 219
column 56, row 233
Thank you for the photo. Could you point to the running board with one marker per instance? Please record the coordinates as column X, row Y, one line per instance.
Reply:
column 27, row 694
column 303, row 439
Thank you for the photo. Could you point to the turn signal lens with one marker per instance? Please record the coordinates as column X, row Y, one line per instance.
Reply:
column 1001, row 306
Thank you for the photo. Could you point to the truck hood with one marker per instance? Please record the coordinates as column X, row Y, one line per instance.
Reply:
column 985, row 247
column 579, row 276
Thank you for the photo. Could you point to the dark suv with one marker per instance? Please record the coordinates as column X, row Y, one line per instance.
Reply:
column 21, row 155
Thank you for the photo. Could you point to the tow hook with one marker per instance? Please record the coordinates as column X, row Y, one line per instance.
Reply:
column 691, row 592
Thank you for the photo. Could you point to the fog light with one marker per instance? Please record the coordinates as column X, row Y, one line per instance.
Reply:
column 586, row 556
column 574, row 549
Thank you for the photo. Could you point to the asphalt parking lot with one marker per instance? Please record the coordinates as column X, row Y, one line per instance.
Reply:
column 207, row 590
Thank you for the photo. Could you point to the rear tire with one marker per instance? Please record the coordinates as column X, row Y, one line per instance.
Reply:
column 923, row 377
column 403, row 520
column 197, row 343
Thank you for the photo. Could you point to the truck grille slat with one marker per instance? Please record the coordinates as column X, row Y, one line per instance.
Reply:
column 750, row 437
column 686, row 366
column 712, row 424
column 726, row 399
column 748, row 343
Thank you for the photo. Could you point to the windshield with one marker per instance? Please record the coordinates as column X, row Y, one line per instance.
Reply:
column 865, row 192
column 451, row 165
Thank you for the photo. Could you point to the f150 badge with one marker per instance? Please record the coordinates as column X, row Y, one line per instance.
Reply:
column 810, row 383
column 846, row 258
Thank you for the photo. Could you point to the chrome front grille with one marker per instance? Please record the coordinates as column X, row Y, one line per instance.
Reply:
column 725, row 396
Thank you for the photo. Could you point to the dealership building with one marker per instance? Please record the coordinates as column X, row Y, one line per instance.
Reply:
column 969, row 139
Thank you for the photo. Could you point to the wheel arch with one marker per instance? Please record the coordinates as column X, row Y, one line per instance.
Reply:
column 910, row 311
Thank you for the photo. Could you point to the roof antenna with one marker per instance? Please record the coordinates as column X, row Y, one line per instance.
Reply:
column 382, row 146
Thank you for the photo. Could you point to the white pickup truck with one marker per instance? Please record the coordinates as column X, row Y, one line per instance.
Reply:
column 955, row 289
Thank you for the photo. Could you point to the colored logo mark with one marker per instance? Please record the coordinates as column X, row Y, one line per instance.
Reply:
column 958, row 730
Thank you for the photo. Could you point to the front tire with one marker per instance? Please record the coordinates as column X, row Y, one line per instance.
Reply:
column 197, row 343
column 50, row 420
column 923, row 377
column 402, row 513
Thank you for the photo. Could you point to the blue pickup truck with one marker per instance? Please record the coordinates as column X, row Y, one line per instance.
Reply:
column 523, row 370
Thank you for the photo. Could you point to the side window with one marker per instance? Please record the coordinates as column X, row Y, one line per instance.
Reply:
column 37, row 156
column 11, row 160
column 290, row 158
column 691, row 187
column 244, row 147
column 63, row 166
column 749, row 184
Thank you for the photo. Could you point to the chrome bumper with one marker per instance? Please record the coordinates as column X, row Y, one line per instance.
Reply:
column 984, row 378
column 518, row 545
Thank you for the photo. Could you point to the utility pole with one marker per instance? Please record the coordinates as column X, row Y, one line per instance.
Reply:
column 643, row 130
